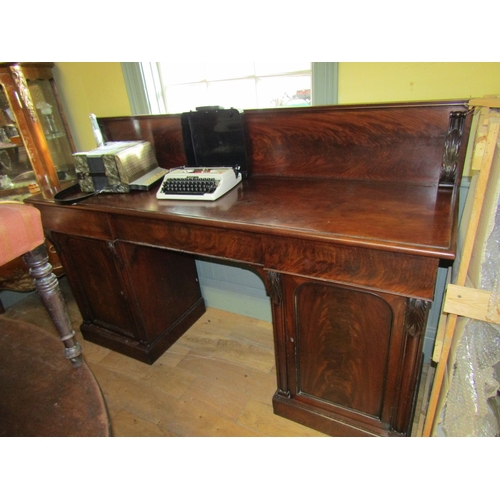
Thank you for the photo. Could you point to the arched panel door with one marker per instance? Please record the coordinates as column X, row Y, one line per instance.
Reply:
column 344, row 356
column 342, row 346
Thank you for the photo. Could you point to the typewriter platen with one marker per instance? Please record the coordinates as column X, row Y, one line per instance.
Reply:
column 198, row 183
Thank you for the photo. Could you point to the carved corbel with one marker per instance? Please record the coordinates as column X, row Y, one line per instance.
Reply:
column 274, row 287
column 416, row 316
column 452, row 148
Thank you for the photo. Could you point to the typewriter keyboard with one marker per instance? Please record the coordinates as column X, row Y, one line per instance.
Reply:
column 198, row 183
column 189, row 185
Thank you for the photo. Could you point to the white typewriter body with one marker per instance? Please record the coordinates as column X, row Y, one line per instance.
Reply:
column 198, row 183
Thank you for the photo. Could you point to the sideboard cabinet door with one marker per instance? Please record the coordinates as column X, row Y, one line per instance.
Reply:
column 345, row 350
column 96, row 280
column 135, row 299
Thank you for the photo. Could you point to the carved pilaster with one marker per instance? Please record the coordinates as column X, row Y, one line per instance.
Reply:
column 24, row 92
column 452, row 148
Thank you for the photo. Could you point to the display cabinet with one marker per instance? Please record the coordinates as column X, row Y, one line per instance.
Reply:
column 36, row 146
column 36, row 149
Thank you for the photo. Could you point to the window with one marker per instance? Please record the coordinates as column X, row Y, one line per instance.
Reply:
column 242, row 85
column 176, row 87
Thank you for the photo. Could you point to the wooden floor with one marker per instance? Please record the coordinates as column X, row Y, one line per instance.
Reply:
column 217, row 380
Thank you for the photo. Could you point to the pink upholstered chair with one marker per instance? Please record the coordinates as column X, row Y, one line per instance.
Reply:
column 42, row 394
column 21, row 234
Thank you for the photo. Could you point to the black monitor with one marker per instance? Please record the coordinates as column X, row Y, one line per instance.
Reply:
column 214, row 136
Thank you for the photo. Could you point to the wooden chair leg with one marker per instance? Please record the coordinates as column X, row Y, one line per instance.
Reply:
column 47, row 287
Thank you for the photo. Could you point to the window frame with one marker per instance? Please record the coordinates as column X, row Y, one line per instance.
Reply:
column 144, row 86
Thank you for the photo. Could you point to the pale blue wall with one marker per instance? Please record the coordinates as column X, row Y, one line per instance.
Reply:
column 234, row 289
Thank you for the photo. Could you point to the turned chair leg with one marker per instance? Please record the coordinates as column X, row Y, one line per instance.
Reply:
column 47, row 287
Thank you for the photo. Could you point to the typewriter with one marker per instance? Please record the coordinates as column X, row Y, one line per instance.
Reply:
column 216, row 162
column 198, row 183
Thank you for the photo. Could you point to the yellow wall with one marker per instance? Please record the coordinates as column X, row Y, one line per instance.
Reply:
column 87, row 88
column 91, row 87
column 381, row 82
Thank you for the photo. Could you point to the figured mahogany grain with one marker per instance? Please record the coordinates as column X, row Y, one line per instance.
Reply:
column 344, row 218
column 407, row 218
column 384, row 143
column 400, row 142
column 336, row 360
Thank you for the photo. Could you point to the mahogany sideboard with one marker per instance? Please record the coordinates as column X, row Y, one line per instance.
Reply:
column 347, row 214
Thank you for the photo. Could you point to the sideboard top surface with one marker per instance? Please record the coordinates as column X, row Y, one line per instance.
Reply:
column 366, row 176
column 408, row 218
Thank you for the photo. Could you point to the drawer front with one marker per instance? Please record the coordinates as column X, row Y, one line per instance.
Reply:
column 201, row 240
column 75, row 221
column 393, row 272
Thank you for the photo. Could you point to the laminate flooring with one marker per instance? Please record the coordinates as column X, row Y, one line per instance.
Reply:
column 218, row 379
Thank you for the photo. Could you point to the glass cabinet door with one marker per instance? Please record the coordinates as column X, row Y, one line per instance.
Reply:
column 35, row 143
column 16, row 173
column 53, row 126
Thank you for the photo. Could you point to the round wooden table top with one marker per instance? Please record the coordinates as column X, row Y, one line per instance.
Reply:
column 41, row 393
